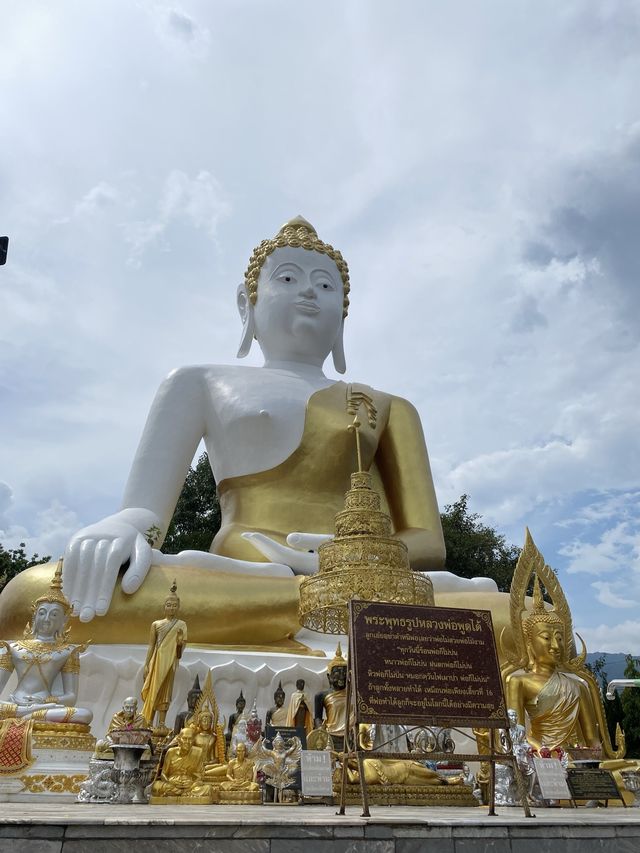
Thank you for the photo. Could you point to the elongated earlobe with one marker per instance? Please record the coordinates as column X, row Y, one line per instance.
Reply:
column 337, row 352
column 248, row 326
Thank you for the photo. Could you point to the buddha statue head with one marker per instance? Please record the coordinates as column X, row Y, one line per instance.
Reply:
column 172, row 602
column 205, row 720
column 544, row 633
column 337, row 670
column 294, row 298
column 241, row 703
column 193, row 695
column 279, row 696
column 50, row 612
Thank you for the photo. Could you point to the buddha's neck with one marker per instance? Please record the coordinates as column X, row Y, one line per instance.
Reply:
column 544, row 669
column 299, row 368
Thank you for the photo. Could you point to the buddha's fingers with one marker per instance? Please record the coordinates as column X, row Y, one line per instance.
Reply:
column 107, row 580
column 139, row 566
column 99, row 577
column 70, row 572
column 299, row 561
column 308, row 541
column 86, row 576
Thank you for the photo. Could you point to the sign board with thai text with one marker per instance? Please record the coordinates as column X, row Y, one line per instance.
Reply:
column 315, row 766
column 592, row 783
column 552, row 779
column 415, row 665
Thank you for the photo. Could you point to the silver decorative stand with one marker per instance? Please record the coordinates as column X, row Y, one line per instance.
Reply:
column 129, row 776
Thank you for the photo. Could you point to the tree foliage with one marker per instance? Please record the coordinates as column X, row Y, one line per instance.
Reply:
column 14, row 560
column 196, row 519
column 474, row 549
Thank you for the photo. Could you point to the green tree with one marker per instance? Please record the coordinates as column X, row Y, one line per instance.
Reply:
column 474, row 549
column 14, row 560
column 631, row 709
column 196, row 519
column 613, row 710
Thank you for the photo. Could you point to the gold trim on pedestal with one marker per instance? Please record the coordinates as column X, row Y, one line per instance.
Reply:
column 53, row 783
column 73, row 736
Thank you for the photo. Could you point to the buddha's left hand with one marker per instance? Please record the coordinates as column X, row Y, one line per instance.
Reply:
column 301, row 555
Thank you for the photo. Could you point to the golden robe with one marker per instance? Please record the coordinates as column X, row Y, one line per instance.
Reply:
column 554, row 712
column 158, row 685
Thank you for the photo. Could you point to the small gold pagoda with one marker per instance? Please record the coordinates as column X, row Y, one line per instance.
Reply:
column 362, row 560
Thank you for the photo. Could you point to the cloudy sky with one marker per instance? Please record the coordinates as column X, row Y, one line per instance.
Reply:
column 477, row 163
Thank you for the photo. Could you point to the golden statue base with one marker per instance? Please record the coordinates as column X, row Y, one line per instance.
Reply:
column 204, row 800
column 410, row 795
column 240, row 798
column 72, row 736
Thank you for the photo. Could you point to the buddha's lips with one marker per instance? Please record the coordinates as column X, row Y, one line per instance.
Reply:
column 307, row 307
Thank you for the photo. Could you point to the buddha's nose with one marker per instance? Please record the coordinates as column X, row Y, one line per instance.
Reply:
column 308, row 292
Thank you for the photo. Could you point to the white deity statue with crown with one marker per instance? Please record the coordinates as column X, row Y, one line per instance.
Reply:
column 281, row 457
column 41, row 660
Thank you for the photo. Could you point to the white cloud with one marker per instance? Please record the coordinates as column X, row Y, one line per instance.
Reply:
column 200, row 201
column 483, row 190
column 607, row 596
column 614, row 638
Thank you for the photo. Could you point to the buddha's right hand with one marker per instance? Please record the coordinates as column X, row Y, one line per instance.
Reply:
column 95, row 555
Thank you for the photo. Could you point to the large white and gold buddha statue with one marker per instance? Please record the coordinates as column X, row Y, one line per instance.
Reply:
column 281, row 457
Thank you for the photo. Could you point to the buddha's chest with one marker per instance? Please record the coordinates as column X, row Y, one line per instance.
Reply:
column 255, row 419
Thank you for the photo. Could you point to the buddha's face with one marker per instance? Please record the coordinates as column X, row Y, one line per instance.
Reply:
column 338, row 677
column 205, row 721
column 241, row 751
column 171, row 607
column 49, row 620
column 546, row 643
column 298, row 312
column 278, row 698
column 240, row 705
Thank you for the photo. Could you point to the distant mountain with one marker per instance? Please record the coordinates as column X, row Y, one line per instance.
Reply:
column 614, row 663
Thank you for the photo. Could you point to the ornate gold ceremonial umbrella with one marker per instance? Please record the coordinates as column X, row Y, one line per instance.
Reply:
column 363, row 560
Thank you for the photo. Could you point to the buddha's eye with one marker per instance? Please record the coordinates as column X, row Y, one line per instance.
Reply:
column 286, row 277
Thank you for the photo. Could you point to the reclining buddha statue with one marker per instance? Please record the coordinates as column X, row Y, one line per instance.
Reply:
column 281, row 455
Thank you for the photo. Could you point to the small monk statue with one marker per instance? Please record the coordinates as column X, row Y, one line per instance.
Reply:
column 181, row 775
column 192, row 700
column 128, row 717
column 241, row 773
column 44, row 654
column 298, row 713
column 277, row 715
column 330, row 705
column 166, row 643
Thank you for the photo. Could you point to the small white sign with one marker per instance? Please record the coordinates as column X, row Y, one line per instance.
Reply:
column 315, row 767
column 552, row 779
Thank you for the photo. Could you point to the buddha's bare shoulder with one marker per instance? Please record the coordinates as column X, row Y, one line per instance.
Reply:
column 213, row 372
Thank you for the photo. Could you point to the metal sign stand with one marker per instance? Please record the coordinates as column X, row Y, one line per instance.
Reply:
column 353, row 749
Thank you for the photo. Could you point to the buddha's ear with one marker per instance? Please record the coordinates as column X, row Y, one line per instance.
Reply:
column 337, row 352
column 245, row 308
